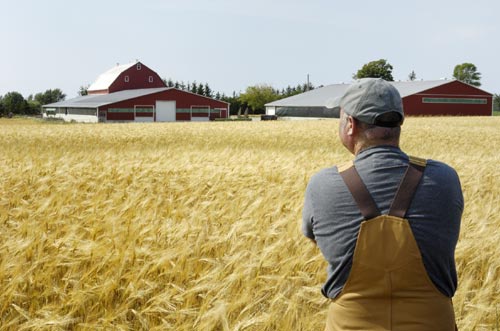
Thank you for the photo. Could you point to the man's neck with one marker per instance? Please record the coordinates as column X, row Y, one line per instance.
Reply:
column 359, row 146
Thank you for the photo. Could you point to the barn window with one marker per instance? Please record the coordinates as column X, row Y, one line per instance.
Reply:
column 150, row 79
column 127, row 79
column 456, row 100
column 138, row 66
column 200, row 111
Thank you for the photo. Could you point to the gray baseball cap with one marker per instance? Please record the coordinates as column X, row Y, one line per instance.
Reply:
column 369, row 98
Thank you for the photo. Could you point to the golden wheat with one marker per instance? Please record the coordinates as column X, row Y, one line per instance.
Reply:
column 196, row 226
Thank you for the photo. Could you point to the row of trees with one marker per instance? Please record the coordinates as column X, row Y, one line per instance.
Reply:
column 194, row 87
column 255, row 97
column 252, row 100
column 14, row 103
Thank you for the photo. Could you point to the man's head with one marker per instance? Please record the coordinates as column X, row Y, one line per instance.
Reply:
column 371, row 113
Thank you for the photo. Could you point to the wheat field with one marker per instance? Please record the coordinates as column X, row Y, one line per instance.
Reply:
column 196, row 226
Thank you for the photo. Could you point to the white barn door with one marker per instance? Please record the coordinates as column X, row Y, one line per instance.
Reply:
column 165, row 111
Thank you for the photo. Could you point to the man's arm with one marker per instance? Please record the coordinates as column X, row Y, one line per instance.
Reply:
column 308, row 215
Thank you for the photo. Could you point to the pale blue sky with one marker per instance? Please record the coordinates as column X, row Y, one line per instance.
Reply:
column 233, row 44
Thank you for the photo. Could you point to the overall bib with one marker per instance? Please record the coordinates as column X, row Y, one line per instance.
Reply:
column 388, row 287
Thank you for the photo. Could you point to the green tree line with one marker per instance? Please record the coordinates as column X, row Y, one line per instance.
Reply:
column 13, row 103
column 255, row 97
column 251, row 101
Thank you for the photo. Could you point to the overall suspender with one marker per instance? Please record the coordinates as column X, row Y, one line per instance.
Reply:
column 404, row 194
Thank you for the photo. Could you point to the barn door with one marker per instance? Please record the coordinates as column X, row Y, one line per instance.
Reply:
column 165, row 111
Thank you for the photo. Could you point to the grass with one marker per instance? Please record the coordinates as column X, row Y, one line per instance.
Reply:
column 196, row 226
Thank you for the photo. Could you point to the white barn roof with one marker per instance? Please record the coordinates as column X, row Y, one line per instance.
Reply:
column 107, row 78
column 98, row 100
column 320, row 96
column 314, row 98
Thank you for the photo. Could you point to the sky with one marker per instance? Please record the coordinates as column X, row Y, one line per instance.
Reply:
column 233, row 44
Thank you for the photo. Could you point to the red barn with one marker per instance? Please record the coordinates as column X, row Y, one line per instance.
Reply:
column 133, row 92
column 424, row 98
column 438, row 98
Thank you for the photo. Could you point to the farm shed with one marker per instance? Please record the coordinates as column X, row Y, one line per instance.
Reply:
column 428, row 98
column 133, row 92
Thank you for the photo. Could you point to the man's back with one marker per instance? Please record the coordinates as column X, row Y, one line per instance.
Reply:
column 332, row 218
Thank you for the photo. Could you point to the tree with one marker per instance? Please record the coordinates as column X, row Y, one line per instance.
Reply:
column 208, row 91
column 467, row 73
column 307, row 87
column 2, row 108
column 33, row 107
column 496, row 102
column 169, row 82
column 200, row 90
column 234, row 103
column 50, row 96
column 257, row 96
column 377, row 69
column 412, row 76
column 14, row 102
column 84, row 90
column 194, row 87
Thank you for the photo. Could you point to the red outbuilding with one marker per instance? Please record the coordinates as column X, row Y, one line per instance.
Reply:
column 420, row 98
column 133, row 92
column 444, row 98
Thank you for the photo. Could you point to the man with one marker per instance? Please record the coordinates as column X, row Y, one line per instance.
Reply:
column 386, row 223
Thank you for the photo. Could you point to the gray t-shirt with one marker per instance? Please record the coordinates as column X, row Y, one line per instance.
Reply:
column 332, row 218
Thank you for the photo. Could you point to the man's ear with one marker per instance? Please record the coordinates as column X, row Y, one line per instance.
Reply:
column 351, row 126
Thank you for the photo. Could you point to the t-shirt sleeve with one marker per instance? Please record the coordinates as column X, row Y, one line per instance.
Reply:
column 308, row 214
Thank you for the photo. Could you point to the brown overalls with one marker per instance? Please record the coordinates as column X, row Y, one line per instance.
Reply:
column 388, row 287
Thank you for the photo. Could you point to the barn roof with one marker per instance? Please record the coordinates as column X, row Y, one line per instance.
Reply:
column 411, row 87
column 98, row 100
column 314, row 98
column 107, row 78
column 319, row 97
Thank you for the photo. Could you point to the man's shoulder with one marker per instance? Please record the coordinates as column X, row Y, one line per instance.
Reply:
column 324, row 173
column 326, row 176
column 441, row 176
column 440, row 168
